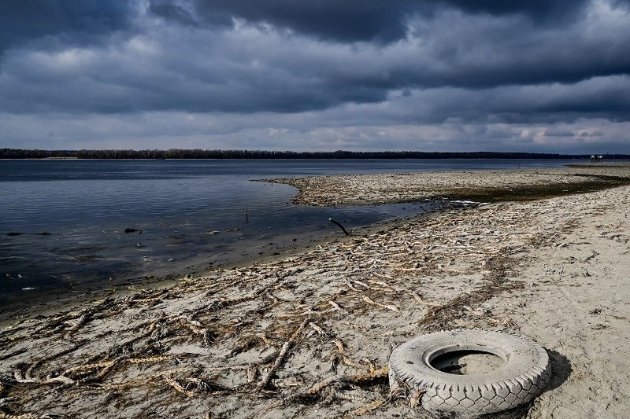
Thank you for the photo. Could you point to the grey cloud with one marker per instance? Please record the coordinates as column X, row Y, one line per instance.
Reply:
column 538, row 10
column 309, row 131
column 558, row 133
column 346, row 21
column 586, row 134
column 326, row 73
column 253, row 69
column 74, row 20
column 359, row 20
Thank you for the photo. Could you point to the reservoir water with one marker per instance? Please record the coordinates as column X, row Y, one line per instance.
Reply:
column 75, row 223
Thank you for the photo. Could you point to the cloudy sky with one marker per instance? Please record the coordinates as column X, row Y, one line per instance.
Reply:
column 426, row 75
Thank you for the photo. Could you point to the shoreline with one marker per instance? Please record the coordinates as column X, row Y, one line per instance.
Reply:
column 206, row 344
column 85, row 293
column 308, row 191
column 62, row 300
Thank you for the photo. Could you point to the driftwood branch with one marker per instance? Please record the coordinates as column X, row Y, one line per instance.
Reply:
column 348, row 379
column 339, row 225
column 281, row 356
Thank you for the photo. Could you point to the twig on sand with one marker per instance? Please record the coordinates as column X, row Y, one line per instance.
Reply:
column 22, row 379
column 366, row 409
column 335, row 306
column 317, row 328
column 4, row 415
column 421, row 301
column 281, row 356
column 177, row 386
column 348, row 379
column 374, row 303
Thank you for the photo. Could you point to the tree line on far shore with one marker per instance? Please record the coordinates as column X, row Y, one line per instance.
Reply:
column 13, row 153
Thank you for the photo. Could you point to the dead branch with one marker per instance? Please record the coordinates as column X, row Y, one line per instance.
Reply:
column 349, row 379
column 374, row 303
column 281, row 356
column 177, row 386
column 338, row 224
column 366, row 409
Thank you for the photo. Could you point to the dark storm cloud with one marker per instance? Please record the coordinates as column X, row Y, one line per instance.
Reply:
column 22, row 21
column 360, row 20
column 507, row 48
column 180, row 67
column 279, row 68
column 539, row 10
column 350, row 20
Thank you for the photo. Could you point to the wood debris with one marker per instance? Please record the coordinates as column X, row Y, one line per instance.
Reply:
column 286, row 346
column 366, row 409
column 374, row 303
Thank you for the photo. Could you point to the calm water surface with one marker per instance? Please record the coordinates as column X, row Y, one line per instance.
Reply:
column 62, row 223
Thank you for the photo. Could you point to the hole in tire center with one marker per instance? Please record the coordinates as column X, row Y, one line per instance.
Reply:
column 467, row 362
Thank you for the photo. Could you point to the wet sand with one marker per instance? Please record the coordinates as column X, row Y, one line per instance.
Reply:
column 309, row 335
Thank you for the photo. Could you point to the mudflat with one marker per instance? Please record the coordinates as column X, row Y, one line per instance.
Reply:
column 310, row 335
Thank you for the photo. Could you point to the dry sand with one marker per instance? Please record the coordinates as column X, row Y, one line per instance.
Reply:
column 310, row 335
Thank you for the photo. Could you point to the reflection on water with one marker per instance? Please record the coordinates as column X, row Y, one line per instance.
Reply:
column 63, row 223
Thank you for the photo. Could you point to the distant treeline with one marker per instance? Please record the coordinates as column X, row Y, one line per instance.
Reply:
column 12, row 153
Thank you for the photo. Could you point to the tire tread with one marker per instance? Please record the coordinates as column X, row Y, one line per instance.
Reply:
column 483, row 398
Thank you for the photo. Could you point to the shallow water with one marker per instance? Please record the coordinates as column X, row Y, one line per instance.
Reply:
column 62, row 223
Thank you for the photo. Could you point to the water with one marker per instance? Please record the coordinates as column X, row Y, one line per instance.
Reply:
column 62, row 223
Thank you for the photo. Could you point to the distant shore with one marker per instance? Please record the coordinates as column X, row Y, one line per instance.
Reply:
column 12, row 153
column 544, row 254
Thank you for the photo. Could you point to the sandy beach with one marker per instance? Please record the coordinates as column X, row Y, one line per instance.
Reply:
column 545, row 254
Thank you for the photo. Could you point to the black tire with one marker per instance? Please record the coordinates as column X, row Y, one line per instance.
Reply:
column 524, row 374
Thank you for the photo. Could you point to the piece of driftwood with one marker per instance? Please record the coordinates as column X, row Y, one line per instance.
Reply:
column 374, row 303
column 348, row 379
column 281, row 356
column 366, row 409
column 177, row 386
column 338, row 224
